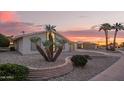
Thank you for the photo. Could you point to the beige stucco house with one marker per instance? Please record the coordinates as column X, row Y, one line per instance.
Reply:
column 24, row 45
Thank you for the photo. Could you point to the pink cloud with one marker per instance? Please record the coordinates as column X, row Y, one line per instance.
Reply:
column 7, row 16
column 15, row 28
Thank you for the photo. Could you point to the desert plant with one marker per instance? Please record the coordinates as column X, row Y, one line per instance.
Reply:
column 80, row 60
column 48, row 51
column 13, row 72
column 49, row 30
column 104, row 27
column 59, row 49
column 117, row 27
column 41, row 51
column 4, row 41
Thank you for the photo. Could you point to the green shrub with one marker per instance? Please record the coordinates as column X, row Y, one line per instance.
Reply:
column 13, row 72
column 80, row 60
column 4, row 41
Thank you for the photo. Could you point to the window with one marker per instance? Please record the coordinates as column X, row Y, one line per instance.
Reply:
column 33, row 46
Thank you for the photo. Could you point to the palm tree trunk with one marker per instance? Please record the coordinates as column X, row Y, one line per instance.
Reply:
column 42, row 52
column 58, row 52
column 48, row 54
column 51, row 47
column 106, row 35
column 114, row 41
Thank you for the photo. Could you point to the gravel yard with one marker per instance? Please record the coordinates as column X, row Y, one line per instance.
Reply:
column 35, row 60
column 92, row 68
column 98, row 64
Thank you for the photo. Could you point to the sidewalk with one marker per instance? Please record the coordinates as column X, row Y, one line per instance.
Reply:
column 100, row 52
column 113, row 73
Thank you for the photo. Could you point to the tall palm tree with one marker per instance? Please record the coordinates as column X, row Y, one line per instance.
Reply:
column 49, row 31
column 47, row 51
column 117, row 27
column 105, row 27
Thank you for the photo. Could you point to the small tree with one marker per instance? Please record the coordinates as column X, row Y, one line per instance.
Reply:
column 4, row 41
column 48, row 51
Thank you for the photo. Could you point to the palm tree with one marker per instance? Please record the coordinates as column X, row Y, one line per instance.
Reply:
column 59, row 48
column 41, row 51
column 117, row 27
column 49, row 31
column 47, row 51
column 105, row 27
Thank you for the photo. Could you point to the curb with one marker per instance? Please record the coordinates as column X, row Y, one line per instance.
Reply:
column 50, row 72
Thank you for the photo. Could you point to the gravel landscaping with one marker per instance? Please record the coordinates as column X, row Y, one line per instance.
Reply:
column 98, row 64
column 36, row 60
column 92, row 68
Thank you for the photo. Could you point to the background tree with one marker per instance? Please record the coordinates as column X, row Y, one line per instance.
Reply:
column 4, row 41
column 104, row 27
column 117, row 27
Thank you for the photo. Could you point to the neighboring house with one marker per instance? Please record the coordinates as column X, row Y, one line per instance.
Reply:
column 24, row 45
column 86, row 45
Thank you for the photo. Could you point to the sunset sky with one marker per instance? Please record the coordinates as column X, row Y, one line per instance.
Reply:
column 74, row 25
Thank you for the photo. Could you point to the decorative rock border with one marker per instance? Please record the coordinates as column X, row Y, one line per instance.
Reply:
column 49, row 72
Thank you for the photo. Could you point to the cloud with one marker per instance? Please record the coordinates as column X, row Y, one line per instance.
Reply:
column 83, row 16
column 6, row 16
column 15, row 28
column 90, row 33
column 86, row 33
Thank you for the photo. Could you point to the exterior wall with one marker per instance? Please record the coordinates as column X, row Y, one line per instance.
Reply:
column 27, row 43
column 79, row 46
column 73, row 47
column 86, row 45
column 66, row 47
column 19, row 45
column 89, row 46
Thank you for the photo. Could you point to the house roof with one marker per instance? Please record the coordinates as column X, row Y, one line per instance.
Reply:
column 24, row 35
column 34, row 33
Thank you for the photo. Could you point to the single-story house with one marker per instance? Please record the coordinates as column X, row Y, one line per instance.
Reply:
column 86, row 45
column 24, row 45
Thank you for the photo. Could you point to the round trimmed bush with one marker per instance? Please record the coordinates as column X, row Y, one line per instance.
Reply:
column 4, row 41
column 80, row 60
column 13, row 72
